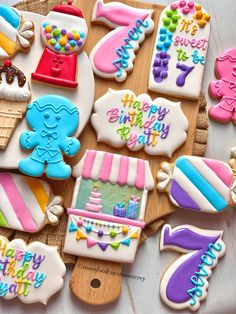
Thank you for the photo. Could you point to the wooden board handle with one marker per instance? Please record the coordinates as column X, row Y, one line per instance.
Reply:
column 96, row 282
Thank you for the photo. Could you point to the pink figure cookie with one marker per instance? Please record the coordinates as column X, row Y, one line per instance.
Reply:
column 224, row 88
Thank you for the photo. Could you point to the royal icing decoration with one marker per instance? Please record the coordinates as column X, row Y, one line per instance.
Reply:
column 13, row 84
column 185, row 283
column 180, row 50
column 33, row 272
column 63, row 34
column 108, row 206
column 113, row 56
column 197, row 183
column 16, row 34
column 27, row 204
column 14, row 94
column 121, row 118
column 224, row 88
column 53, row 120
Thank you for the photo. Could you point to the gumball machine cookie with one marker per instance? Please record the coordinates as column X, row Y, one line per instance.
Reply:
column 63, row 35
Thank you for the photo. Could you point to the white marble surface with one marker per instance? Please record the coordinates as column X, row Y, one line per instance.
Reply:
column 140, row 298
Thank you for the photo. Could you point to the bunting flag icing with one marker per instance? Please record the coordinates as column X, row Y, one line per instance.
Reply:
column 93, row 234
column 197, row 183
column 25, row 203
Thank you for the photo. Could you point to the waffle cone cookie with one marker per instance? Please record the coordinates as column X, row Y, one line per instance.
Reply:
column 14, row 96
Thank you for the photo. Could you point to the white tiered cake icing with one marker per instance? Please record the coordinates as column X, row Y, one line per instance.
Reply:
column 94, row 201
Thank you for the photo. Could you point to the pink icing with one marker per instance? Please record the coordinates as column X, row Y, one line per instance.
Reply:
column 104, row 217
column 123, row 170
column 88, row 164
column 224, row 174
column 140, row 179
column 95, row 208
column 106, row 167
column 17, row 203
column 124, row 17
column 90, row 242
column 225, row 87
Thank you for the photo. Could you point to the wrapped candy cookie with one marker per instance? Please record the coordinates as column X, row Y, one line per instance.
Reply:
column 27, row 204
column 16, row 33
column 199, row 184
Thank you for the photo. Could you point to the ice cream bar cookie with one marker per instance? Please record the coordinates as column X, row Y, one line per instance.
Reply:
column 180, row 50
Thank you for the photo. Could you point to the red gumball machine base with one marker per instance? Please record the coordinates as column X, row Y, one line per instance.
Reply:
column 57, row 69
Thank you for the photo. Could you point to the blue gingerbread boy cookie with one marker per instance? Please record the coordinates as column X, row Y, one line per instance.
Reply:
column 53, row 120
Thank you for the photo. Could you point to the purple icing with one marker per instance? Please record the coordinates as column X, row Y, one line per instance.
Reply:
column 160, row 66
column 182, row 77
column 180, row 281
column 79, row 43
column 103, row 246
column 100, row 233
column 182, row 197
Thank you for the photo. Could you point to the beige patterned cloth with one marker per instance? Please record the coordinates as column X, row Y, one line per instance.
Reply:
column 56, row 235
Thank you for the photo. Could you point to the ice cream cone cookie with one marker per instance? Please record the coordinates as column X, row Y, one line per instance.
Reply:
column 14, row 96
column 16, row 34
column 224, row 89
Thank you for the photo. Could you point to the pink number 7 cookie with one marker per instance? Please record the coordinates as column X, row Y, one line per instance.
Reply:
column 224, row 88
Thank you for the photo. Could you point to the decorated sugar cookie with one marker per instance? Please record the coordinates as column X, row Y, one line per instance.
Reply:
column 14, row 96
column 27, row 204
column 108, row 206
column 113, row 56
column 199, row 184
column 32, row 273
column 224, row 89
column 180, row 50
column 122, row 118
column 63, row 34
column 16, row 34
column 185, row 283
column 53, row 120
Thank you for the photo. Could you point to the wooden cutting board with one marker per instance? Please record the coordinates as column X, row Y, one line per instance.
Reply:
column 82, row 279
column 104, row 286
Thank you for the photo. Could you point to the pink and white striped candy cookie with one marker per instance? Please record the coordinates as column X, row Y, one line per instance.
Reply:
column 27, row 203
column 199, row 184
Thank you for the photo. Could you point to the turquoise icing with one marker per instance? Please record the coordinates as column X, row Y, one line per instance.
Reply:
column 53, row 120
column 10, row 15
column 197, row 280
column 123, row 51
column 201, row 184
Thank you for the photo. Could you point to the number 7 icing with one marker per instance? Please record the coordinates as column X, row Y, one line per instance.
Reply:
column 114, row 54
column 180, row 50
column 224, row 88
column 185, row 283
column 199, row 184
